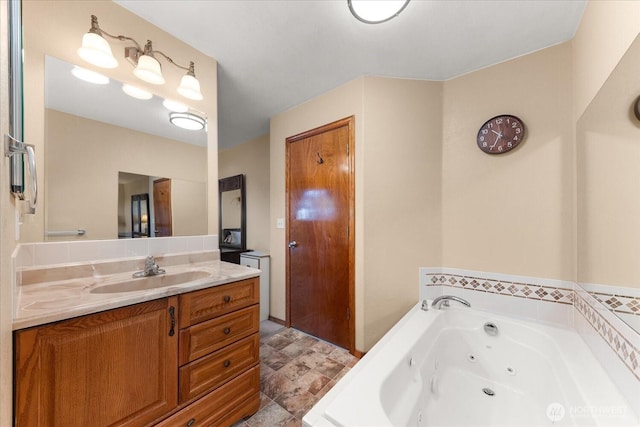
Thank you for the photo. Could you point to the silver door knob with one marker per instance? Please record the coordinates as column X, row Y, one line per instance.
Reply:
column 293, row 244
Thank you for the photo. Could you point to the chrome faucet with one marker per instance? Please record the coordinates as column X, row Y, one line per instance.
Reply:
column 443, row 301
column 150, row 268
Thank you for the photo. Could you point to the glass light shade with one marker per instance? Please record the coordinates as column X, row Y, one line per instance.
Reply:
column 176, row 106
column 136, row 92
column 96, row 50
column 190, row 88
column 89, row 76
column 148, row 70
column 187, row 121
column 376, row 11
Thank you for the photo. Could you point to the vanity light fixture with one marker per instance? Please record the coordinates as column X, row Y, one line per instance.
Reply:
column 376, row 11
column 136, row 92
column 96, row 50
column 188, row 120
column 89, row 76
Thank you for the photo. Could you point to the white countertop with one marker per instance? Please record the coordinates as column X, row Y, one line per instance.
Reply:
column 39, row 303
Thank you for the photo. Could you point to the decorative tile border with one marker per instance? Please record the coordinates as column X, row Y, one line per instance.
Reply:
column 619, row 303
column 626, row 351
column 520, row 288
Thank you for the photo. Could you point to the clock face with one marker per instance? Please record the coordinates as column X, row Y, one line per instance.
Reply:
column 500, row 134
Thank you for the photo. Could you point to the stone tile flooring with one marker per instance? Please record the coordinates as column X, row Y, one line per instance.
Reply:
column 296, row 370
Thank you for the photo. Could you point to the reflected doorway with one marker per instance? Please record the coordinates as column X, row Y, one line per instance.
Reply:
column 162, row 207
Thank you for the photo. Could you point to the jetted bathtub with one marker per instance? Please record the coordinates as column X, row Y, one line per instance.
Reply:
column 465, row 367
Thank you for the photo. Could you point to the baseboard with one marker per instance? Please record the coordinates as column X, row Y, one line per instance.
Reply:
column 276, row 320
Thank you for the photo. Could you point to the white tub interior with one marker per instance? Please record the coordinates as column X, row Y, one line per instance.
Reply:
column 441, row 368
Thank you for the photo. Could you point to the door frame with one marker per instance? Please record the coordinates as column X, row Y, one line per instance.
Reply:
column 349, row 122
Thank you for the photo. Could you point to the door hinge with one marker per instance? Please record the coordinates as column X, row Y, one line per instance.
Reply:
column 347, row 148
column 348, row 313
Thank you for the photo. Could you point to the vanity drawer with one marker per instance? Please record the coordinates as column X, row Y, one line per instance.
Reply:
column 198, row 306
column 213, row 370
column 211, row 335
column 236, row 399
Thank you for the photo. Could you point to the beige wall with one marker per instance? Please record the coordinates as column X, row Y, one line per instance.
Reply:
column 252, row 160
column 511, row 213
column 189, row 207
column 60, row 37
column 394, row 189
column 606, row 30
column 82, row 161
column 401, row 201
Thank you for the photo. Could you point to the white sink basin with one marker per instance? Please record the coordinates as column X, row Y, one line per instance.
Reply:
column 151, row 282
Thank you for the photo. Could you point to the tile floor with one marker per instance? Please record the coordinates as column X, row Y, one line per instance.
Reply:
column 296, row 370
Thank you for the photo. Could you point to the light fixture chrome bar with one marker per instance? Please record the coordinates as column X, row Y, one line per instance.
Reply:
column 95, row 28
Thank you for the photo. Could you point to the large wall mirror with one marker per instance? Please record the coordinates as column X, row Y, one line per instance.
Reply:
column 88, row 135
column 103, row 146
column 608, row 179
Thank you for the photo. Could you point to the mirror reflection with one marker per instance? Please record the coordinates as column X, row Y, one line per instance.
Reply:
column 232, row 218
column 609, row 203
column 95, row 132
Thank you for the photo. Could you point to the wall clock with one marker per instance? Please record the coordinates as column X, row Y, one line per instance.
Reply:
column 500, row 134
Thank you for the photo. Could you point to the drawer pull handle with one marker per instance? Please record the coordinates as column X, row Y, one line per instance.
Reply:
column 191, row 422
column 227, row 331
column 227, row 298
column 227, row 363
column 172, row 313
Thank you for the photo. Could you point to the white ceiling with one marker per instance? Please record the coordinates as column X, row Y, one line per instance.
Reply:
column 275, row 54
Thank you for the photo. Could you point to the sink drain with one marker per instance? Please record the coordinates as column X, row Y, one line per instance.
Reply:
column 488, row 391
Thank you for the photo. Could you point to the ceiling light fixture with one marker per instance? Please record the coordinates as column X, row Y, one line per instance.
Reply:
column 376, row 11
column 89, row 76
column 136, row 92
column 96, row 50
column 189, row 121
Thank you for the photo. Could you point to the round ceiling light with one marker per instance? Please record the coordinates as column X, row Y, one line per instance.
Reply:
column 376, row 11
column 189, row 121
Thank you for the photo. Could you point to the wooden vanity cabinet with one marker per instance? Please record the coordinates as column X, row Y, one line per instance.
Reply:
column 219, row 354
column 188, row 360
column 117, row 367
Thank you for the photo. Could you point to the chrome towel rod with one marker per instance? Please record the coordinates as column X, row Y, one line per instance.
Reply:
column 61, row 233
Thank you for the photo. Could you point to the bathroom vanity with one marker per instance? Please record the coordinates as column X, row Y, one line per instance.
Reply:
column 189, row 357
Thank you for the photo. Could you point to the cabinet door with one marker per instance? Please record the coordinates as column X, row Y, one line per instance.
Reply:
column 118, row 367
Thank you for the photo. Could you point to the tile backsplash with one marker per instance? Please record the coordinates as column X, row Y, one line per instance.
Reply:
column 53, row 253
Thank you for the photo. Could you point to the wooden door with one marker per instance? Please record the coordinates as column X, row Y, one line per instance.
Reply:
column 162, row 207
column 115, row 368
column 320, row 209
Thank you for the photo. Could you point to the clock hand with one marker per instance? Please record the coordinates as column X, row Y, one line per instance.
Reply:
column 497, row 139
